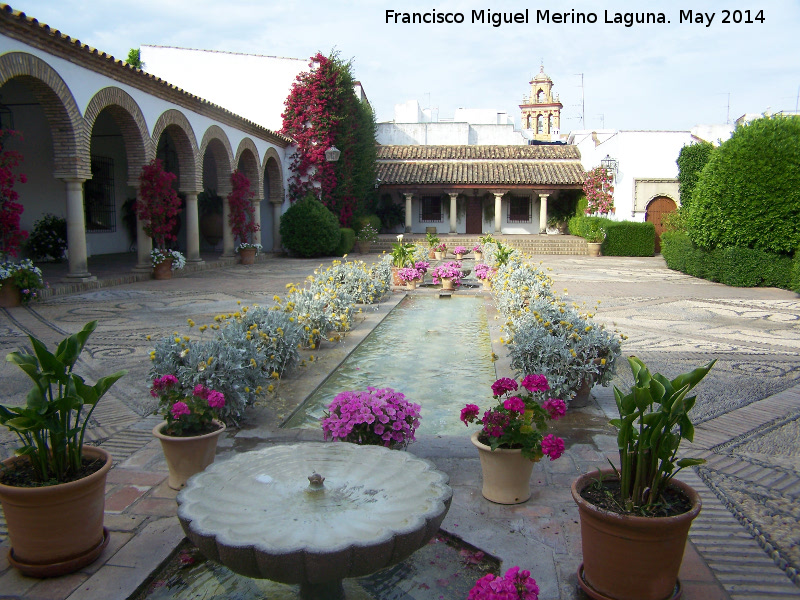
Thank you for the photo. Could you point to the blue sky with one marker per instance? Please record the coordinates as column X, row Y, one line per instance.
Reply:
column 647, row 76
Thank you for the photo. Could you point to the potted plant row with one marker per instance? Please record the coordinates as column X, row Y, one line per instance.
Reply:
column 53, row 490
column 635, row 519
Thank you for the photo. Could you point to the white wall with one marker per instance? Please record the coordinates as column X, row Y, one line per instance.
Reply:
column 252, row 86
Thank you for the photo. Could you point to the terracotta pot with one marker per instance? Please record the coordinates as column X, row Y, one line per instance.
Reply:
column 594, row 248
column 187, row 456
column 459, row 256
column 478, row 256
column 247, row 256
column 411, row 285
column 211, row 227
column 10, row 295
column 364, row 246
column 487, row 284
column 506, row 474
column 163, row 270
column 431, row 253
column 438, row 255
column 57, row 529
column 447, row 284
column 396, row 281
column 627, row 557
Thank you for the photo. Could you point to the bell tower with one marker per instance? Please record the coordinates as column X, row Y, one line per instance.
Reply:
column 541, row 111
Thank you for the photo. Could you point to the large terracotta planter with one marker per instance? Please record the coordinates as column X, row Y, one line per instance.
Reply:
column 9, row 294
column 506, row 474
column 187, row 456
column 627, row 557
column 57, row 529
column 247, row 256
column 396, row 281
column 163, row 270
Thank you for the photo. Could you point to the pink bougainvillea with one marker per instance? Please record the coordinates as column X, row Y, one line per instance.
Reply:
column 242, row 212
column 11, row 236
column 158, row 204
column 599, row 190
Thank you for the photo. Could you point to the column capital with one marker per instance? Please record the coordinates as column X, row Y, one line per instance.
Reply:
column 499, row 193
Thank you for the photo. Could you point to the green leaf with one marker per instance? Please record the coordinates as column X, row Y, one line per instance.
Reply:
column 693, row 377
column 49, row 363
column 657, row 391
column 642, row 397
column 26, row 362
column 686, row 428
column 690, row 462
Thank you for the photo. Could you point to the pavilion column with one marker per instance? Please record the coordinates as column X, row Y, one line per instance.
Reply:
column 192, row 229
column 543, row 213
column 453, row 213
column 257, row 219
column 498, row 211
column 408, row 212
column 276, row 225
column 76, row 231
column 227, row 232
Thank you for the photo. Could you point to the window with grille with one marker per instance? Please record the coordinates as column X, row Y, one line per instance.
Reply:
column 519, row 209
column 430, row 209
column 98, row 197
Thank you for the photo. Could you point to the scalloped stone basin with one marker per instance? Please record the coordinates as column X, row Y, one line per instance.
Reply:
column 261, row 515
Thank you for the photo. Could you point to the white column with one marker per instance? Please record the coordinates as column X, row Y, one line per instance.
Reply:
column 76, row 231
column 543, row 213
column 276, row 226
column 453, row 213
column 257, row 220
column 227, row 232
column 192, row 229
column 498, row 211
column 408, row 211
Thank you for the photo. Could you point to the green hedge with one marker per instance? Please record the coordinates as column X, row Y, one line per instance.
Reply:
column 308, row 228
column 740, row 267
column 346, row 241
column 795, row 278
column 623, row 238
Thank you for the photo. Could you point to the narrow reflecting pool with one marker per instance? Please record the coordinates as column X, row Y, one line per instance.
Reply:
column 435, row 351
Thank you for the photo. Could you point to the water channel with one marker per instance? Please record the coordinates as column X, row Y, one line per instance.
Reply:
column 436, row 351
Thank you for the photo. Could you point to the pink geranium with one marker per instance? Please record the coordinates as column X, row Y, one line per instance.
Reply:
column 186, row 413
column 555, row 407
column 514, row 585
column 552, row 446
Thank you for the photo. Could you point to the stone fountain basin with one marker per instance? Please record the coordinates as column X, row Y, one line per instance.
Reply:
column 256, row 514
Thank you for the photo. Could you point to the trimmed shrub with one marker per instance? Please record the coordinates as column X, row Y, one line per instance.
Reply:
column 347, row 240
column 48, row 240
column 373, row 220
column 748, row 195
column 691, row 161
column 795, row 277
column 308, row 228
column 629, row 238
column 739, row 267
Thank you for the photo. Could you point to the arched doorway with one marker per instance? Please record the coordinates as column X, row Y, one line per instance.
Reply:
column 657, row 209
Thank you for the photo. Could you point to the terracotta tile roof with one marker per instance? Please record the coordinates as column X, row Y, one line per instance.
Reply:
column 477, row 165
column 537, row 152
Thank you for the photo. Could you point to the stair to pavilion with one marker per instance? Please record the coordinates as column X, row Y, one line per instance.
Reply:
column 529, row 244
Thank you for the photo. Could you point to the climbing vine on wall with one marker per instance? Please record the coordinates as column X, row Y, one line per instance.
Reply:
column 599, row 190
column 321, row 111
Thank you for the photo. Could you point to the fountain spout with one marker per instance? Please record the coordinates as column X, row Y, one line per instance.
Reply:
column 315, row 482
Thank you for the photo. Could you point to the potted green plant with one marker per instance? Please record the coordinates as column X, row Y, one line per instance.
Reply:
column 635, row 519
column 513, row 436
column 20, row 282
column 595, row 234
column 433, row 241
column 53, row 490
column 190, row 429
column 164, row 262
column 365, row 237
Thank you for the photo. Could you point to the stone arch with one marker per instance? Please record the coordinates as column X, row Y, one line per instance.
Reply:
column 247, row 162
column 129, row 119
column 176, row 125
column 273, row 172
column 68, row 129
column 217, row 143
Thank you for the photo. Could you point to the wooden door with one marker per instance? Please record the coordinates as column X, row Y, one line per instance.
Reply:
column 656, row 210
column 474, row 216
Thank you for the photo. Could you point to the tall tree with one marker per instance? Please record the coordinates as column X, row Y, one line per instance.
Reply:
column 322, row 110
